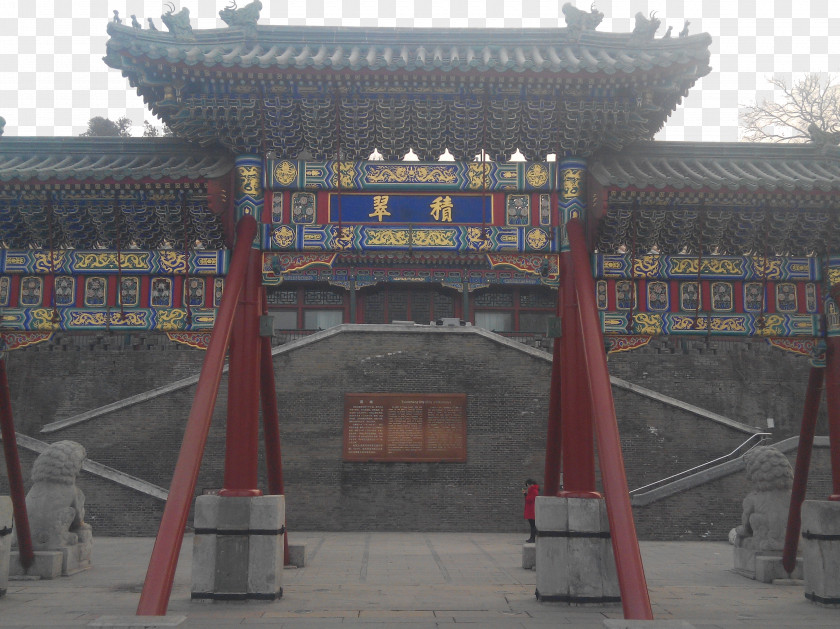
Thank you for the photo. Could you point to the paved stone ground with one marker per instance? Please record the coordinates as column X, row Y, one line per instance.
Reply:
column 416, row 579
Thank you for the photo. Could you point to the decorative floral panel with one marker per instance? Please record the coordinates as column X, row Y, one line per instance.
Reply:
column 786, row 297
column 194, row 291
column 218, row 287
column 754, row 297
column 625, row 295
column 690, row 298
column 545, row 209
column 277, row 207
column 657, row 296
column 601, row 294
column 65, row 290
column 96, row 291
column 517, row 209
column 722, row 300
column 5, row 290
column 303, row 207
column 811, row 304
column 130, row 291
column 161, row 296
column 31, row 291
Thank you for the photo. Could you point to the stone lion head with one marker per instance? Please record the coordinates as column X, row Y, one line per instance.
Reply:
column 768, row 469
column 61, row 463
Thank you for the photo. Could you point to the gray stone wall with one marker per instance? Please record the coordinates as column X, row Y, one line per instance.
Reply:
column 507, row 392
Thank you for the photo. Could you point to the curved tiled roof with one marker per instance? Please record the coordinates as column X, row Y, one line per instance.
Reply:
column 75, row 158
column 338, row 48
column 720, row 166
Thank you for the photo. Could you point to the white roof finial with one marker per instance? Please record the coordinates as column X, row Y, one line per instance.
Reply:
column 411, row 156
column 376, row 156
column 446, row 156
column 517, row 157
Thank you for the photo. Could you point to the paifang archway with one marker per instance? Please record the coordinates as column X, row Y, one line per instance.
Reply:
column 279, row 178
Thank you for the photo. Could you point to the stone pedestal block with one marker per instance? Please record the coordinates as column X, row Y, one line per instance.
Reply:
column 238, row 548
column 297, row 555
column 75, row 558
column 529, row 556
column 47, row 565
column 574, row 554
column 620, row 623
column 763, row 566
column 821, row 551
column 5, row 541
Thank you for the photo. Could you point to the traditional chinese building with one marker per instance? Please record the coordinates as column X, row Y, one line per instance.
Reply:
column 418, row 175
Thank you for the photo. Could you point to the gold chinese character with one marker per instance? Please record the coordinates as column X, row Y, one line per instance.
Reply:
column 442, row 209
column 380, row 207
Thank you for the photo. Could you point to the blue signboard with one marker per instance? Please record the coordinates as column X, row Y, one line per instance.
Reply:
column 412, row 208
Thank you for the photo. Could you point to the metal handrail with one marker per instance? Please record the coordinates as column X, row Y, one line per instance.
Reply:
column 763, row 437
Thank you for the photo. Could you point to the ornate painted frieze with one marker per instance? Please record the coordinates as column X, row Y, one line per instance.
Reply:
column 813, row 349
column 281, row 268
column 465, row 238
column 75, row 262
column 285, row 174
column 615, row 344
column 90, row 319
column 546, row 267
column 196, row 340
column 666, row 267
column 656, row 324
column 19, row 340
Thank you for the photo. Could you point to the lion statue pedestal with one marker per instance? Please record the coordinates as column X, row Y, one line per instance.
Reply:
column 760, row 539
column 61, row 539
column 5, row 541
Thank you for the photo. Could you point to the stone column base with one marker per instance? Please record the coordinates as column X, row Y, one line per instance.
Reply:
column 821, row 551
column 575, row 562
column 238, row 548
column 5, row 541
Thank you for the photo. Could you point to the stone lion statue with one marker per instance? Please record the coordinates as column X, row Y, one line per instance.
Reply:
column 56, row 507
column 765, row 512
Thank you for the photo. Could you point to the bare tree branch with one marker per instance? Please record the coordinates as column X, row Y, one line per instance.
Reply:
column 813, row 100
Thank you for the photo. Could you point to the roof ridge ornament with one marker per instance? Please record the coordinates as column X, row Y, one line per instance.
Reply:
column 646, row 27
column 178, row 23
column 245, row 18
column 578, row 21
column 823, row 138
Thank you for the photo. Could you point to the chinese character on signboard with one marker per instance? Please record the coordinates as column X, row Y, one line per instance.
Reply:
column 441, row 209
column 380, row 207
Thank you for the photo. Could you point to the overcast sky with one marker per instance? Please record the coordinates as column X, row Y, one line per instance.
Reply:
column 53, row 79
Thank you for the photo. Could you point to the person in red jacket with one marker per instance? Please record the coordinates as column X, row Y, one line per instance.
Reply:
column 531, row 491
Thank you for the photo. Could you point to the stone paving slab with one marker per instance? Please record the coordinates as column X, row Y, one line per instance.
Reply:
column 419, row 580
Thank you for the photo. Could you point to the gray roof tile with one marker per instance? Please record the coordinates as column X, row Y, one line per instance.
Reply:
column 719, row 166
column 518, row 50
column 122, row 159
